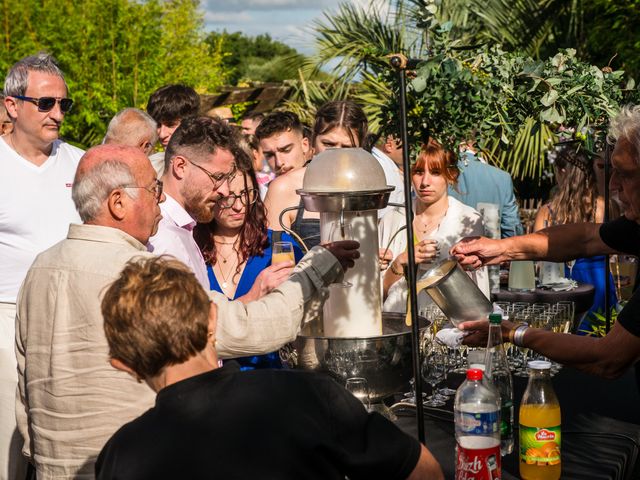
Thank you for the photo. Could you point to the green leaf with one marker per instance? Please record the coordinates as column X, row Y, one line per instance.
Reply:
column 549, row 98
column 551, row 115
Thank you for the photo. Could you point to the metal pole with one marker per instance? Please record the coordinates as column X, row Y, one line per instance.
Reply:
column 607, row 266
column 399, row 63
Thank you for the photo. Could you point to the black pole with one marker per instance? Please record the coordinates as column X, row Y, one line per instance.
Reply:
column 607, row 266
column 399, row 63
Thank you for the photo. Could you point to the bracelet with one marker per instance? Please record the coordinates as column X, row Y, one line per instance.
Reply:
column 514, row 328
column 518, row 335
column 394, row 271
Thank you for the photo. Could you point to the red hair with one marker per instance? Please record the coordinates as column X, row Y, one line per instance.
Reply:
column 434, row 157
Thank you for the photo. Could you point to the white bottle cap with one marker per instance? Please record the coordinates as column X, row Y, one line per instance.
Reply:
column 539, row 365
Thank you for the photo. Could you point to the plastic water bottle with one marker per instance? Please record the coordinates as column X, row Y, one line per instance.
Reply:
column 477, row 420
column 498, row 374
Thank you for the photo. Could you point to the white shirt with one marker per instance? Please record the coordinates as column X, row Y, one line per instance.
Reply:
column 35, row 209
column 459, row 221
column 175, row 237
column 394, row 178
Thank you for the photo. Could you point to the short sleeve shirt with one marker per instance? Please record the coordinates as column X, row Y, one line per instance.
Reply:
column 624, row 235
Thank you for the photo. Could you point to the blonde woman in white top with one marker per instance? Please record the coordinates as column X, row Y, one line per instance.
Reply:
column 439, row 222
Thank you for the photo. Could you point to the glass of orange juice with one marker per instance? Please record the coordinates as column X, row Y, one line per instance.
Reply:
column 282, row 252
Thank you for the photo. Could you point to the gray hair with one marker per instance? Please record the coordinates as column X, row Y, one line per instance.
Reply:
column 18, row 77
column 130, row 127
column 627, row 125
column 91, row 188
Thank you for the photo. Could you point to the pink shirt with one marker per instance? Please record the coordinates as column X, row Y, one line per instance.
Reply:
column 175, row 237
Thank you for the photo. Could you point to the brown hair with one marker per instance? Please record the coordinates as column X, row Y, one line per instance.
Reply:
column 436, row 158
column 253, row 235
column 156, row 314
column 575, row 199
column 342, row 114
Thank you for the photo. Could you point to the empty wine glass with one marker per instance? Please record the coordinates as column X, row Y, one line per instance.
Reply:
column 433, row 370
column 360, row 389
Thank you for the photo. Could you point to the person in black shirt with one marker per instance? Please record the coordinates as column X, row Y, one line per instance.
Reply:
column 608, row 356
column 211, row 422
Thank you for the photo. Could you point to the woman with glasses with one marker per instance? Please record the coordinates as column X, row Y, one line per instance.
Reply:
column 237, row 246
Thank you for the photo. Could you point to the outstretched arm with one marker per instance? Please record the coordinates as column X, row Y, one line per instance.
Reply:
column 607, row 357
column 558, row 243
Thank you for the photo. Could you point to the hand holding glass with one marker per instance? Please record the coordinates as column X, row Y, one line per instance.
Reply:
column 282, row 252
column 338, row 233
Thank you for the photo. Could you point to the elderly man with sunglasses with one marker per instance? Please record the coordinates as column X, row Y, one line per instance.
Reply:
column 35, row 209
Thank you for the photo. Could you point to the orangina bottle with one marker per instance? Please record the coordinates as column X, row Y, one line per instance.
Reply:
column 539, row 426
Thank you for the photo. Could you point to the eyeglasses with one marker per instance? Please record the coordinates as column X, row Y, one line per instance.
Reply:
column 216, row 178
column 247, row 197
column 45, row 104
column 156, row 190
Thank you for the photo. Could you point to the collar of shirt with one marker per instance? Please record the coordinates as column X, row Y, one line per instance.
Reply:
column 100, row 233
column 171, row 209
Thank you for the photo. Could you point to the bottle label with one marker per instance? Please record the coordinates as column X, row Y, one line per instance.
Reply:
column 540, row 446
column 478, row 463
column 481, row 423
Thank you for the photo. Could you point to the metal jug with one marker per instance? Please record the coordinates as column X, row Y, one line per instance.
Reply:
column 454, row 292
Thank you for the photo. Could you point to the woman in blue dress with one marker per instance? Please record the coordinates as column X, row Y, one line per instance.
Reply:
column 579, row 197
column 237, row 248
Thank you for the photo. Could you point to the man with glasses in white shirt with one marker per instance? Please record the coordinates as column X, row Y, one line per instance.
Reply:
column 35, row 209
column 199, row 161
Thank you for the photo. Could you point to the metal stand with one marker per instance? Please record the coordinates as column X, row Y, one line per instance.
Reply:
column 399, row 63
column 607, row 266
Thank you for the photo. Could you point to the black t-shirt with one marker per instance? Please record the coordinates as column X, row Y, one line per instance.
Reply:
column 623, row 235
column 266, row 424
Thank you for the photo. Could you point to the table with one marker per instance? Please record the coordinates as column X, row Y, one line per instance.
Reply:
column 600, row 428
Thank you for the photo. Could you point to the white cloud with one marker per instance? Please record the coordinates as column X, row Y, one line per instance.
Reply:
column 227, row 17
column 242, row 5
column 289, row 21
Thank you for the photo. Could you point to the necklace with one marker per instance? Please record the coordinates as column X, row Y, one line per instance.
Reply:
column 225, row 243
column 225, row 284
column 233, row 250
column 426, row 226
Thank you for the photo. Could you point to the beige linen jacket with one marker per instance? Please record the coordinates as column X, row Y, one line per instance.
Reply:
column 70, row 400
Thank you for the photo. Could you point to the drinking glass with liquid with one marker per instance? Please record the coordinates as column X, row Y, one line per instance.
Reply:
column 282, row 252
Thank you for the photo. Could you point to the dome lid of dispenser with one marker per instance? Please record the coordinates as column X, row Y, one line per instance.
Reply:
column 344, row 179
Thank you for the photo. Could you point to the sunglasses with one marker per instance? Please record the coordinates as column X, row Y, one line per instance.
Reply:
column 45, row 104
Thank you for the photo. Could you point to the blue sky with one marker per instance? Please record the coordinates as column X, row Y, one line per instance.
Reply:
column 286, row 20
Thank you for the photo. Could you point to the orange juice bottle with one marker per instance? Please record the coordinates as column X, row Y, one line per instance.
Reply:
column 539, row 426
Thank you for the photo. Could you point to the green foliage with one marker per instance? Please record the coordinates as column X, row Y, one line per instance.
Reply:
column 597, row 323
column 259, row 58
column 114, row 52
column 470, row 87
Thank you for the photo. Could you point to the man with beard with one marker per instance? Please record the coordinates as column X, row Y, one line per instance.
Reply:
column 198, row 166
column 199, row 162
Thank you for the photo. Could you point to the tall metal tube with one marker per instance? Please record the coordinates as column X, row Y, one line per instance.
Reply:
column 399, row 63
column 607, row 266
